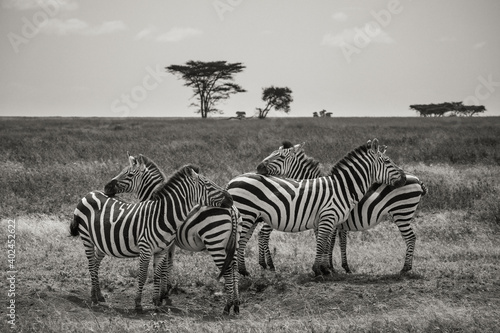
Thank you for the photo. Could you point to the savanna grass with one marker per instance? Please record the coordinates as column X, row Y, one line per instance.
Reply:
column 49, row 164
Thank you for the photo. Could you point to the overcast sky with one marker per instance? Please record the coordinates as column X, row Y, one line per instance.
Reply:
column 352, row 58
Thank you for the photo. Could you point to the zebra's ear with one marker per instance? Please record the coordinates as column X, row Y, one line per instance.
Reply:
column 285, row 145
column 383, row 148
column 374, row 146
column 141, row 162
column 191, row 171
column 131, row 160
column 298, row 147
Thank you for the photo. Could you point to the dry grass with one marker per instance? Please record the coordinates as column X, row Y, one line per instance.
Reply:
column 455, row 287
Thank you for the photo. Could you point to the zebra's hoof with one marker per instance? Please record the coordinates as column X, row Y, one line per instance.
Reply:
column 236, row 309
column 244, row 272
column 405, row 270
column 347, row 269
column 138, row 309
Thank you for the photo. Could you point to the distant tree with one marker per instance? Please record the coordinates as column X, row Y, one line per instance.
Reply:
column 439, row 110
column 278, row 98
column 470, row 110
column 211, row 82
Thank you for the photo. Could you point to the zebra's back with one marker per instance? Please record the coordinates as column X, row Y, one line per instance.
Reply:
column 113, row 226
column 382, row 200
column 285, row 204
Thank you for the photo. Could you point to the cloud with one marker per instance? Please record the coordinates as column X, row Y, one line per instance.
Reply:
column 369, row 33
column 340, row 16
column 175, row 34
column 76, row 26
column 146, row 33
column 48, row 5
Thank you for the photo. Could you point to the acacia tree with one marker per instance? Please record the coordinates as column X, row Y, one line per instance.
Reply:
column 211, row 82
column 439, row 110
column 278, row 98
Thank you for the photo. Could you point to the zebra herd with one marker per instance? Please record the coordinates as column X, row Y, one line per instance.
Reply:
column 288, row 193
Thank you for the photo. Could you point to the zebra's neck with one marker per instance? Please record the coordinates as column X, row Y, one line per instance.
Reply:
column 354, row 175
column 306, row 168
column 152, row 180
column 175, row 205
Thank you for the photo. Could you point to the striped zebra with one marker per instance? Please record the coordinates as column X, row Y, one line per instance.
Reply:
column 381, row 200
column 119, row 229
column 322, row 203
column 205, row 228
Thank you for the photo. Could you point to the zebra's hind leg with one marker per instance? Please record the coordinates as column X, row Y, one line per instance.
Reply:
column 160, row 262
column 331, row 246
column 144, row 258
column 321, row 263
column 409, row 238
column 265, row 258
column 231, row 290
column 166, row 269
column 246, row 233
column 94, row 257
column 343, row 250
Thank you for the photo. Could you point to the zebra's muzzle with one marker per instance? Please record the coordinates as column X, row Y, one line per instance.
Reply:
column 228, row 200
column 110, row 188
column 401, row 181
column 262, row 169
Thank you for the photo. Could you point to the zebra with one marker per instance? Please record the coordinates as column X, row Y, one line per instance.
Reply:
column 205, row 228
column 381, row 200
column 292, row 206
column 124, row 230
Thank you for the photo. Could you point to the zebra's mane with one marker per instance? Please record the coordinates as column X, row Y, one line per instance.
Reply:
column 178, row 176
column 152, row 167
column 351, row 156
column 309, row 162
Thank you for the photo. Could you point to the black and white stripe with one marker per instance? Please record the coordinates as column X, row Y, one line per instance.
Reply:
column 205, row 228
column 322, row 203
column 119, row 229
column 381, row 201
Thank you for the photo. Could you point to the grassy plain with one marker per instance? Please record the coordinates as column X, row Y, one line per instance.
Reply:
column 49, row 164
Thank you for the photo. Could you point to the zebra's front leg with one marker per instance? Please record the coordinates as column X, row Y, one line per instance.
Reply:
column 343, row 250
column 144, row 258
column 321, row 263
column 95, row 257
column 265, row 259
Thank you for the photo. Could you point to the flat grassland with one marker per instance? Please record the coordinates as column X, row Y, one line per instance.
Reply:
column 48, row 164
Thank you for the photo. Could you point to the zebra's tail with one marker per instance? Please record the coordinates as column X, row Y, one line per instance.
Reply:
column 231, row 243
column 73, row 227
column 424, row 188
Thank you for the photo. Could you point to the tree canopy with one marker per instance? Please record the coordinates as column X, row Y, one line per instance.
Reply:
column 212, row 82
column 455, row 108
column 278, row 98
